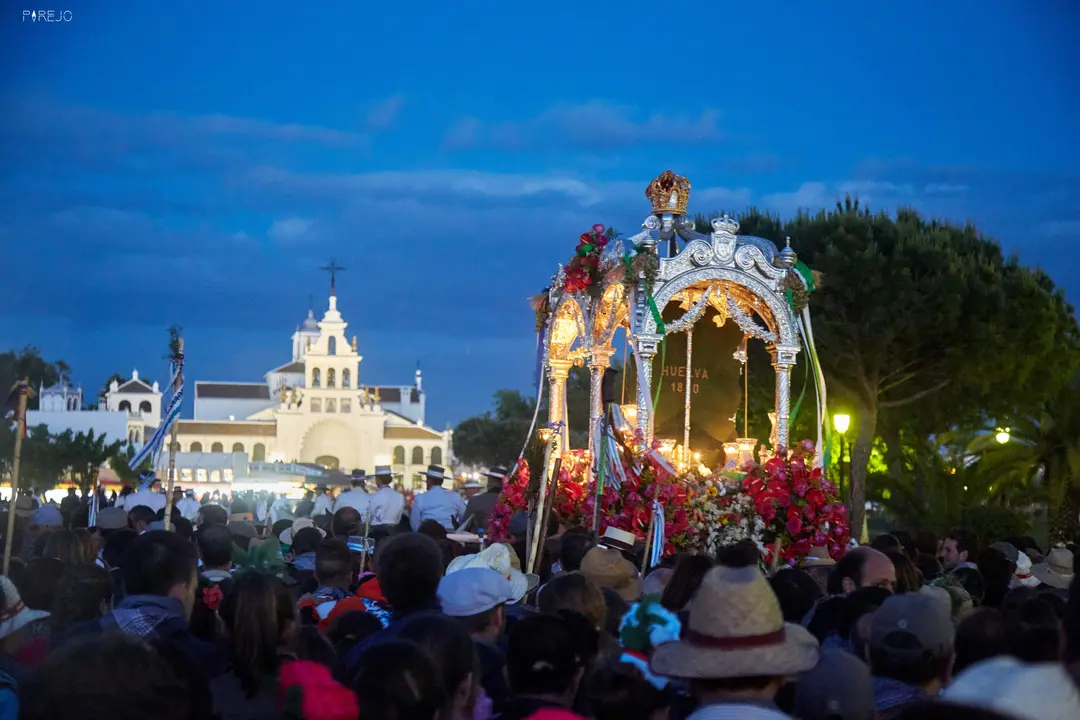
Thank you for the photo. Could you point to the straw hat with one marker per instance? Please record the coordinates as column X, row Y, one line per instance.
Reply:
column 499, row 558
column 1057, row 570
column 609, row 569
column 735, row 630
column 617, row 539
column 286, row 536
column 15, row 614
column 818, row 555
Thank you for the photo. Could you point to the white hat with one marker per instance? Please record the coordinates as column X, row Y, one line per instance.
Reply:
column 497, row 557
column 1023, row 577
column 15, row 614
column 299, row 524
column 617, row 539
column 1035, row 691
column 471, row 591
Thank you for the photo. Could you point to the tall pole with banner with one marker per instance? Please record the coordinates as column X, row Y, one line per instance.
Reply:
column 20, row 395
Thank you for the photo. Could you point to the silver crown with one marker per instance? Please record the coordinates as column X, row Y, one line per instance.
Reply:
column 725, row 224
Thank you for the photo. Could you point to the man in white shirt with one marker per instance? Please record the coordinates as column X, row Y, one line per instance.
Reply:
column 280, row 510
column 357, row 497
column 324, row 503
column 151, row 497
column 387, row 504
column 186, row 504
column 439, row 504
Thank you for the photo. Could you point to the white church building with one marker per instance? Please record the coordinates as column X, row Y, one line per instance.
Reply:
column 314, row 409
column 129, row 410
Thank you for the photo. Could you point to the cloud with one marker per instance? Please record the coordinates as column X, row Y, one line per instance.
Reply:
column 383, row 114
column 591, row 124
column 290, row 230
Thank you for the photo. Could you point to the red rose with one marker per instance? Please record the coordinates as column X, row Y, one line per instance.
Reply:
column 212, row 597
column 794, row 526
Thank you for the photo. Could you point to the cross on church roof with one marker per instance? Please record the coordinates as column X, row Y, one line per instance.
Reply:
column 333, row 268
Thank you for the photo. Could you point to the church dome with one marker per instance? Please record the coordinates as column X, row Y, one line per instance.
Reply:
column 310, row 323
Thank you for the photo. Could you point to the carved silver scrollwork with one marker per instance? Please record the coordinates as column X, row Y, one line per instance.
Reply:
column 700, row 253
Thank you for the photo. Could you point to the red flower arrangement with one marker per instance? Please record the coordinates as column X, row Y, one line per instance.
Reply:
column 801, row 508
column 582, row 273
column 307, row 691
column 212, row 597
column 628, row 508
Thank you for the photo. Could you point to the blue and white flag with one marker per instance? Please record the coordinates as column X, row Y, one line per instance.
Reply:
column 152, row 447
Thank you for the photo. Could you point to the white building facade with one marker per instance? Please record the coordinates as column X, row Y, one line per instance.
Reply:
column 126, row 412
column 315, row 410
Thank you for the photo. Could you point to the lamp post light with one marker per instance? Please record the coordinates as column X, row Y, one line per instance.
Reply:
column 841, row 423
column 1002, row 436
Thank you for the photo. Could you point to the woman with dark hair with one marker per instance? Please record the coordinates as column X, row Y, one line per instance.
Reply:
column 617, row 690
column 398, row 680
column 908, row 578
column 690, row 570
column 452, row 649
column 261, row 620
column 84, row 593
column 65, row 546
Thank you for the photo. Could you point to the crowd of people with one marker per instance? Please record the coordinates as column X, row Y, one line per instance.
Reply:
column 329, row 614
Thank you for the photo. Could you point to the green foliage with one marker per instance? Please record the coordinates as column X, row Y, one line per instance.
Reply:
column 27, row 364
column 992, row 523
column 496, row 437
column 120, row 379
column 48, row 459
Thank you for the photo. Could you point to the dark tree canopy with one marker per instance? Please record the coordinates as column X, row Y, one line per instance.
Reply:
column 923, row 323
column 27, row 364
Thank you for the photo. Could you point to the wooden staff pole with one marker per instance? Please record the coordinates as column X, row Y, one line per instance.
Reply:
column 545, row 521
column 364, row 551
column 648, row 542
column 15, row 467
column 171, row 480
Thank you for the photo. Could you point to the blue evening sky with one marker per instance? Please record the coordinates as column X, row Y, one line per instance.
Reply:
column 196, row 162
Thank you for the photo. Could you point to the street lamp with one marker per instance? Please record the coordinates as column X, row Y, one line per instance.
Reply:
column 841, row 423
column 1002, row 436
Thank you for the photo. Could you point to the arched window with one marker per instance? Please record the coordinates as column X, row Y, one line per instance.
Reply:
column 145, row 406
column 238, row 447
column 217, row 447
column 131, row 435
column 436, row 456
column 331, row 345
column 399, row 455
column 331, row 378
column 331, row 406
column 125, row 406
column 346, row 378
column 196, row 447
column 418, row 455
column 316, row 378
column 258, row 453
column 73, row 403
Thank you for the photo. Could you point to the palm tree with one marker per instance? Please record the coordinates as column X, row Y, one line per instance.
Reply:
column 1047, row 445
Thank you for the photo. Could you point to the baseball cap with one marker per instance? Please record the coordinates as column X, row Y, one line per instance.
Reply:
column 473, row 590
column 839, row 687
column 111, row 518
column 911, row 624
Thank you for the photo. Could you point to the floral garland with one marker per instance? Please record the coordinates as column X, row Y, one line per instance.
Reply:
column 583, row 271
